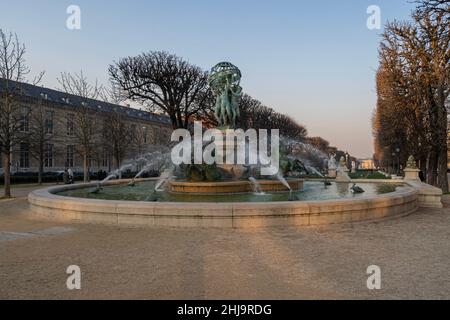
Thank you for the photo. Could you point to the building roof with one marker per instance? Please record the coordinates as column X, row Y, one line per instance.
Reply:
column 37, row 92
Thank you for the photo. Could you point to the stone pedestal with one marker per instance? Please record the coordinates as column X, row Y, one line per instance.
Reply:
column 332, row 173
column 236, row 171
column 412, row 174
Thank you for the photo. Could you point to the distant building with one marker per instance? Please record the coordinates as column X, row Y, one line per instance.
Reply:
column 366, row 164
column 60, row 150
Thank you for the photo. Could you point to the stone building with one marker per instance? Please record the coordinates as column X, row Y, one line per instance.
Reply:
column 366, row 164
column 62, row 147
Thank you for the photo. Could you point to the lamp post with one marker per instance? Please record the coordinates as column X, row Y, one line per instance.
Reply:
column 393, row 163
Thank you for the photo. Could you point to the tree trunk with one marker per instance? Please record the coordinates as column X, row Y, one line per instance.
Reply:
column 432, row 166
column 423, row 167
column 442, row 171
column 443, row 136
column 173, row 120
column 7, row 172
column 85, row 168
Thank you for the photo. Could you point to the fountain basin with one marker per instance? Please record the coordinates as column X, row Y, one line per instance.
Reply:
column 232, row 186
column 46, row 203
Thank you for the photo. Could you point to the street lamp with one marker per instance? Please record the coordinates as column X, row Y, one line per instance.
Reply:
column 393, row 163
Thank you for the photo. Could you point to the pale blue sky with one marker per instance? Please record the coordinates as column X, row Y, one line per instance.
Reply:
column 313, row 60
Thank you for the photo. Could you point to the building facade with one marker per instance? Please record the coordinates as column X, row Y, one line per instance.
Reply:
column 62, row 143
column 366, row 164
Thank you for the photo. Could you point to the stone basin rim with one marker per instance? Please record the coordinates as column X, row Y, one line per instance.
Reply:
column 44, row 203
column 52, row 191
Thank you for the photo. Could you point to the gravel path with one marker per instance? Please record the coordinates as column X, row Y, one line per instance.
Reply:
column 278, row 263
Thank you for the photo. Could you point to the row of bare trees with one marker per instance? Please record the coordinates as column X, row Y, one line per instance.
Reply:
column 114, row 135
column 258, row 116
column 166, row 83
column 413, row 87
column 85, row 128
column 12, row 69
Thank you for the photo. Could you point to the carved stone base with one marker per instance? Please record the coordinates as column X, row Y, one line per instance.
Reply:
column 412, row 174
column 235, row 171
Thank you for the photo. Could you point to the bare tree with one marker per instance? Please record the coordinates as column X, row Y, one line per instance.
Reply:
column 139, row 136
column 319, row 143
column 85, row 127
column 437, row 6
column 118, row 136
column 163, row 82
column 258, row 116
column 41, row 127
column 413, row 87
column 13, row 70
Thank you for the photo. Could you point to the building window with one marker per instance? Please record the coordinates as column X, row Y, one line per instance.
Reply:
column 70, row 125
column 49, row 121
column 24, row 158
column 89, row 123
column 70, row 156
column 133, row 132
column 24, row 122
column 48, row 155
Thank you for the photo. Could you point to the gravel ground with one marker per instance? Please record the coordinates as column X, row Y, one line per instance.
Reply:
column 413, row 253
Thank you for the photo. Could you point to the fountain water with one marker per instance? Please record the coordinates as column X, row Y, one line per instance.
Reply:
column 292, row 196
column 312, row 169
column 117, row 172
column 113, row 175
column 163, row 179
column 155, row 163
column 283, row 181
column 256, row 186
column 342, row 172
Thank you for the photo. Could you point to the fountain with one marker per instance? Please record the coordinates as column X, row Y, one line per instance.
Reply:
column 234, row 195
column 342, row 171
column 225, row 178
column 332, row 166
